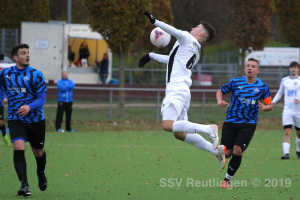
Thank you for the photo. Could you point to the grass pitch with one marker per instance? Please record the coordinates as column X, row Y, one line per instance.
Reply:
column 151, row 165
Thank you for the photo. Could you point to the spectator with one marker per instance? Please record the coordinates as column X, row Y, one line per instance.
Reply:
column 103, row 68
column 71, row 55
column 64, row 102
column 84, row 53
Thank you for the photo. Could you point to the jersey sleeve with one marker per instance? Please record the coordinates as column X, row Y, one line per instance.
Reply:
column 267, row 99
column 169, row 29
column 279, row 93
column 159, row 57
column 227, row 88
column 40, row 83
column 2, row 77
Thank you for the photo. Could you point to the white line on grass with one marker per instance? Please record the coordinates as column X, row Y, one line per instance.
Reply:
column 143, row 146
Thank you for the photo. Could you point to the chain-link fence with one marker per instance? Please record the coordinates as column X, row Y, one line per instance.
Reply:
column 8, row 39
column 97, row 103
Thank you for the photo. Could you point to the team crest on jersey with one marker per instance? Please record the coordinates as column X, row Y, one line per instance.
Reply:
column 25, row 78
column 256, row 90
column 295, row 83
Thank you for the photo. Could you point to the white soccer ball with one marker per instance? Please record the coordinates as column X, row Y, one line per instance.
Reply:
column 159, row 37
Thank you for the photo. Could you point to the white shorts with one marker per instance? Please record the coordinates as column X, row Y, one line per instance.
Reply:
column 177, row 102
column 291, row 119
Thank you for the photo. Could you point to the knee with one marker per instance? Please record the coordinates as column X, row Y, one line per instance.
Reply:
column 167, row 126
column 38, row 153
column 179, row 136
column 228, row 155
column 287, row 132
column 19, row 145
column 237, row 150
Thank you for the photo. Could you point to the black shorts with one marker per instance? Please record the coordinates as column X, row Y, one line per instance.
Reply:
column 237, row 134
column 34, row 133
column 1, row 112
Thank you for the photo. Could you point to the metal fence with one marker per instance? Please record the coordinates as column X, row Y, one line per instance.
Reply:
column 145, row 104
column 218, row 74
column 8, row 39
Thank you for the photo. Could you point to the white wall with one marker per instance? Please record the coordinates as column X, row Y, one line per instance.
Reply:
column 48, row 47
column 45, row 47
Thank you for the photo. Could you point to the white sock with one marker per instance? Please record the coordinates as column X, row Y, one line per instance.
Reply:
column 199, row 142
column 228, row 177
column 297, row 144
column 286, row 148
column 189, row 127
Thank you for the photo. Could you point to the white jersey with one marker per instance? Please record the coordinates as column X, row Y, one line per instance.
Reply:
column 184, row 55
column 290, row 87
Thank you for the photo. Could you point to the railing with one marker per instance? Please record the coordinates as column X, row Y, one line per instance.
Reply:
column 220, row 74
column 148, row 102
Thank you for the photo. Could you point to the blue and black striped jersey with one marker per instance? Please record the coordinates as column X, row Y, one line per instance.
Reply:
column 244, row 99
column 21, row 88
column 2, row 95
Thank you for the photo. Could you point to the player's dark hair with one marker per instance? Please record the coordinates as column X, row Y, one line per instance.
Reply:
column 15, row 49
column 253, row 59
column 294, row 63
column 210, row 29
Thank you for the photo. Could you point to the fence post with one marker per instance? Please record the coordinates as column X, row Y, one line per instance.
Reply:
column 16, row 36
column 110, row 105
column 130, row 77
column 203, row 107
column 157, row 105
column 3, row 41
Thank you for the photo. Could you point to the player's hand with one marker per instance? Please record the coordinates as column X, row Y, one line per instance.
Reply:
column 151, row 17
column 5, row 100
column 146, row 58
column 23, row 110
column 261, row 106
column 297, row 101
column 222, row 103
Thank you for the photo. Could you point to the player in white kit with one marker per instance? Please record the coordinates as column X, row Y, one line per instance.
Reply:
column 290, row 87
column 184, row 55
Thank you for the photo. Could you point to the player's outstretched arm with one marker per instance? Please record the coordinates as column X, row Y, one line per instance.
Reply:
column 151, row 17
column 146, row 58
column 166, row 27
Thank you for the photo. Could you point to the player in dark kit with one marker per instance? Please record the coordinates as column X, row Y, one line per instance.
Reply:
column 25, row 88
column 238, row 129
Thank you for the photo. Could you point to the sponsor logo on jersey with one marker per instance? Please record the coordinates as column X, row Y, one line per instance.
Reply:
column 17, row 90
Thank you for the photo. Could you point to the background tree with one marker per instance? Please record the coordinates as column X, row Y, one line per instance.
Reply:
column 188, row 14
column 13, row 12
column 288, row 14
column 58, row 11
column 251, row 25
column 162, row 11
column 121, row 22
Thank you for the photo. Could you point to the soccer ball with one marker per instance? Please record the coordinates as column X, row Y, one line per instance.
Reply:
column 159, row 37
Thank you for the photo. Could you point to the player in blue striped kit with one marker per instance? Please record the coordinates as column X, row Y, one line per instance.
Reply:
column 25, row 88
column 240, row 124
